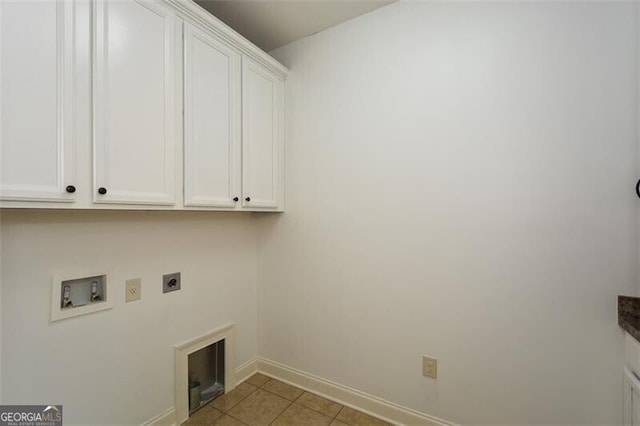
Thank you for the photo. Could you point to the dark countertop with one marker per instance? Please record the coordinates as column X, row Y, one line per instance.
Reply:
column 629, row 315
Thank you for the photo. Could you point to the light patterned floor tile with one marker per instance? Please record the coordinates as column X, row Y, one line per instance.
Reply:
column 319, row 404
column 296, row 415
column 262, row 401
column 228, row 421
column 231, row 399
column 258, row 379
column 282, row 389
column 356, row 418
column 260, row 408
column 204, row 416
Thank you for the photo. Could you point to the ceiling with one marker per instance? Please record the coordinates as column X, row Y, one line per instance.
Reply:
column 271, row 24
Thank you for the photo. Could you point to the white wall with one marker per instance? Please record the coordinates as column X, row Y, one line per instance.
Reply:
column 460, row 184
column 1, row 356
column 117, row 366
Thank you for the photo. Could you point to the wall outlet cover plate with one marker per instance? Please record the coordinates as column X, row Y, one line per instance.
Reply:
column 430, row 367
column 171, row 282
column 133, row 287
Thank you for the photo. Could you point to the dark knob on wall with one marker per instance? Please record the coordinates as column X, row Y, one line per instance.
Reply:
column 102, row 190
column 248, row 199
column 638, row 189
column 235, row 199
column 71, row 189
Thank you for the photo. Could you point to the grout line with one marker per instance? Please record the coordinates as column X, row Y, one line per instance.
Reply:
column 234, row 418
column 279, row 396
column 316, row 411
column 299, row 396
column 290, row 401
column 332, row 419
column 318, row 396
column 281, row 413
column 234, row 405
column 261, row 387
column 238, row 403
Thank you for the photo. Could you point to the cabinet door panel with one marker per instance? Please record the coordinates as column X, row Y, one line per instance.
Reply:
column 36, row 106
column 134, row 72
column 262, row 115
column 212, row 121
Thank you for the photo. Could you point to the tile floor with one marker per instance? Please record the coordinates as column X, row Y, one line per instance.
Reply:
column 261, row 401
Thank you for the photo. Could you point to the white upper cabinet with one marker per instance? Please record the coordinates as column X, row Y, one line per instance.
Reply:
column 212, row 121
column 262, row 137
column 134, row 102
column 36, row 101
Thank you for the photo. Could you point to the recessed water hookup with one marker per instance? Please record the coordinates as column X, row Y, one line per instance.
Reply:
column 66, row 297
column 79, row 294
column 95, row 296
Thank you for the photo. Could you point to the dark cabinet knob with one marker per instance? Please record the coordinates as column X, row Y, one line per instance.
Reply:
column 235, row 199
column 71, row 189
column 102, row 190
column 248, row 199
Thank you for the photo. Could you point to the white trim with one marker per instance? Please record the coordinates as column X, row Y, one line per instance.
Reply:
column 194, row 13
column 246, row 370
column 168, row 418
column 350, row 397
column 182, row 352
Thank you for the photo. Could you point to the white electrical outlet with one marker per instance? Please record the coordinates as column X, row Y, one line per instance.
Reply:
column 430, row 367
column 133, row 289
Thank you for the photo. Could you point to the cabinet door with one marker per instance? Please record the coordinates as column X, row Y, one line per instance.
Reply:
column 635, row 410
column 262, row 119
column 36, row 105
column 134, row 91
column 212, row 121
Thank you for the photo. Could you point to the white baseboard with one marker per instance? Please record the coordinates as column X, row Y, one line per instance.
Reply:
column 168, row 418
column 377, row 407
column 246, row 370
